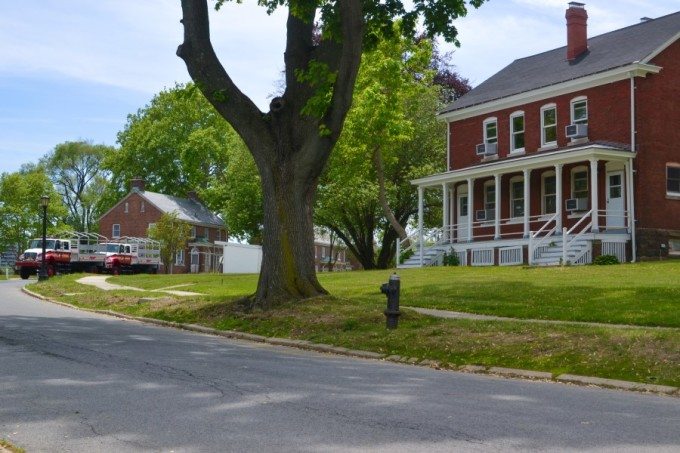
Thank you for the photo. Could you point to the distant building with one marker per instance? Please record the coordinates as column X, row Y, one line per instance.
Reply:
column 140, row 209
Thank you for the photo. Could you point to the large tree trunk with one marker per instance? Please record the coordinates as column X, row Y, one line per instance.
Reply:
column 288, row 240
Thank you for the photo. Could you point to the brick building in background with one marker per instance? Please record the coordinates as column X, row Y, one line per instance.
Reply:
column 566, row 155
column 138, row 210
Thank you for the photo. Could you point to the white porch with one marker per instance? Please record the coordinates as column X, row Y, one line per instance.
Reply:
column 517, row 222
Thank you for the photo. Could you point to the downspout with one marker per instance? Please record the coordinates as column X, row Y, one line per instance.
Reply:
column 631, row 190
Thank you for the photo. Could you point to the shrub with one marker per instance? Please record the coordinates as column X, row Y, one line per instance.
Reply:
column 604, row 260
column 451, row 260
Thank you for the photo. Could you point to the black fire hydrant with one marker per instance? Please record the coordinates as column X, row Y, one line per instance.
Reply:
column 391, row 290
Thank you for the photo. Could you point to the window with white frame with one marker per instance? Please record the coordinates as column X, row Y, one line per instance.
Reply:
column 490, row 130
column 115, row 231
column 579, row 182
column 127, row 207
column 549, row 125
column 549, row 193
column 674, row 246
column 517, row 197
column 517, row 132
column 579, row 110
column 192, row 234
column 673, row 179
column 151, row 225
column 179, row 258
column 490, row 199
column 142, row 207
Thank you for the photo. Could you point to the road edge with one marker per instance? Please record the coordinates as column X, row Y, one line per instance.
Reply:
column 587, row 381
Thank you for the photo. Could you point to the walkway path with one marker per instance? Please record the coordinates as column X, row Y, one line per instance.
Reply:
column 100, row 282
column 462, row 315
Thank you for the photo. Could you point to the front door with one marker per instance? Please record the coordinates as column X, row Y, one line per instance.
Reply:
column 462, row 228
column 616, row 215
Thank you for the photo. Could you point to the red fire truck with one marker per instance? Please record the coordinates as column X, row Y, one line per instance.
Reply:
column 71, row 252
column 132, row 255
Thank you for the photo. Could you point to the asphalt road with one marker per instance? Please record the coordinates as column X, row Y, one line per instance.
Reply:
column 73, row 381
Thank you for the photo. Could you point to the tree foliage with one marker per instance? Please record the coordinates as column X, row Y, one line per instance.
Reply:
column 75, row 168
column 390, row 137
column 173, row 234
column 292, row 142
column 20, row 211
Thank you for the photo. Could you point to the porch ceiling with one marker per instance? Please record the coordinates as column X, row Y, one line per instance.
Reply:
column 570, row 155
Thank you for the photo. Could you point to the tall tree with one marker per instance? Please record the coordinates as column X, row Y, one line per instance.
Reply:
column 179, row 143
column 390, row 137
column 20, row 210
column 292, row 142
column 75, row 168
column 173, row 235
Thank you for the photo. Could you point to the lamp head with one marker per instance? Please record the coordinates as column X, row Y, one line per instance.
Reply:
column 44, row 201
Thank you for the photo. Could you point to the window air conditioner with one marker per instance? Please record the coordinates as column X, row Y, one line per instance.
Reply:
column 482, row 215
column 487, row 149
column 576, row 204
column 576, row 130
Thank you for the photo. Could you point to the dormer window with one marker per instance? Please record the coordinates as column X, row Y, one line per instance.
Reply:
column 579, row 111
column 549, row 125
column 490, row 131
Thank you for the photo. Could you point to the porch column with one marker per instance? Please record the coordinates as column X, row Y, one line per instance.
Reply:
column 594, row 205
column 558, row 198
column 453, row 220
column 527, row 201
column 420, row 223
column 497, row 206
column 471, row 206
column 630, row 207
column 446, row 217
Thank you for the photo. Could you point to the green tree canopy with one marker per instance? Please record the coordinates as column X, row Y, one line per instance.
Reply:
column 20, row 211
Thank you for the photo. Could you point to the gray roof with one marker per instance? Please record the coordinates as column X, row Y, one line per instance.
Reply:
column 608, row 51
column 187, row 209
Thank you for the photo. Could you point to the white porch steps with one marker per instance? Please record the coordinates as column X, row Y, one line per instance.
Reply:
column 551, row 255
column 430, row 256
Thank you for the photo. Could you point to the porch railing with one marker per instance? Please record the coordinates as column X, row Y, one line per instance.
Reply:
column 538, row 238
column 568, row 243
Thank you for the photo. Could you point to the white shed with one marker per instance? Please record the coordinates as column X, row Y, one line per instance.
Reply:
column 240, row 258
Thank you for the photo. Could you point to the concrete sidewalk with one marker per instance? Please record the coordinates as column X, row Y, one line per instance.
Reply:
column 99, row 281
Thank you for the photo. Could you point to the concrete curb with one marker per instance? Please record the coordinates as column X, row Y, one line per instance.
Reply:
column 330, row 349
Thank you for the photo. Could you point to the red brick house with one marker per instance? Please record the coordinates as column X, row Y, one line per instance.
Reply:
column 565, row 155
column 138, row 210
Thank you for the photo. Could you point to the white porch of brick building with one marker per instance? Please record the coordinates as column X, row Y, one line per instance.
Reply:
column 535, row 237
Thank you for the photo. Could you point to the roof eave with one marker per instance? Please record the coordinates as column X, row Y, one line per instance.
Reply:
column 635, row 69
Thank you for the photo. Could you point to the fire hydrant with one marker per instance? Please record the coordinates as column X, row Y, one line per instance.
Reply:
column 391, row 290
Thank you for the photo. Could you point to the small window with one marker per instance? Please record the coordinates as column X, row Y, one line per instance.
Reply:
column 579, row 183
column 491, row 130
column 179, row 258
column 549, row 197
column 115, row 231
column 673, row 180
column 674, row 246
column 517, row 198
column 142, row 207
column 127, row 207
column 549, row 125
column 206, row 231
column 517, row 132
column 579, row 111
column 193, row 232
column 151, row 225
column 219, row 234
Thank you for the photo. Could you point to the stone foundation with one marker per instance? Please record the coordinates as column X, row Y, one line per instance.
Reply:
column 653, row 244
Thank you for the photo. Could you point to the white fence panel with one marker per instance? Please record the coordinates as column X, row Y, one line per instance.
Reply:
column 462, row 257
column 618, row 249
column 482, row 257
column 510, row 256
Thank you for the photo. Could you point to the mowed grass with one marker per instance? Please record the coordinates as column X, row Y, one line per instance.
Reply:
column 352, row 317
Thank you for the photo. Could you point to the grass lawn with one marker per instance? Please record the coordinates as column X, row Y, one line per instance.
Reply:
column 644, row 294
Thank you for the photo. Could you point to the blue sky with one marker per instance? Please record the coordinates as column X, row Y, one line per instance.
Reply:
column 74, row 69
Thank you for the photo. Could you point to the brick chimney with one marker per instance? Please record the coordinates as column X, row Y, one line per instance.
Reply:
column 577, row 30
column 192, row 195
column 137, row 184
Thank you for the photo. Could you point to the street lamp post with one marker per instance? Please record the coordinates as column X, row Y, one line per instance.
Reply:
column 42, row 274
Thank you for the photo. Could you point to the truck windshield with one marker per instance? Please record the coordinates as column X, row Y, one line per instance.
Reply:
column 113, row 248
column 37, row 244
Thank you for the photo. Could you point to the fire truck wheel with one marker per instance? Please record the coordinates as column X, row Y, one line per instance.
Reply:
column 51, row 270
column 24, row 273
column 116, row 270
